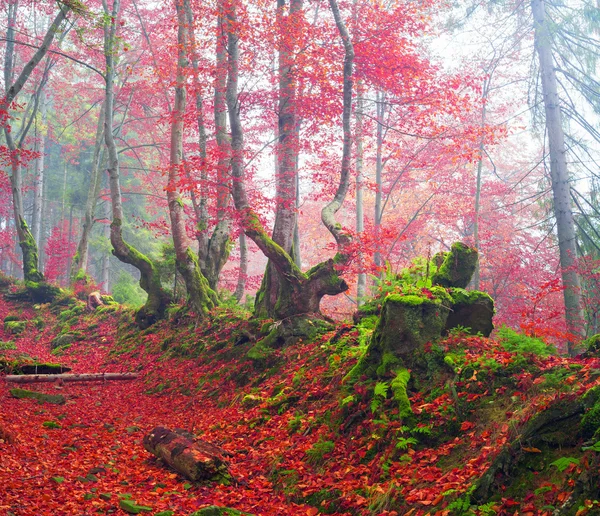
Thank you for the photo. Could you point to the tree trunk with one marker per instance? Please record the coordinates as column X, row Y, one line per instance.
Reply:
column 28, row 245
column 83, row 377
column 380, row 106
column 302, row 292
column 201, row 297
column 158, row 299
column 286, row 159
column 195, row 460
column 243, row 273
column 38, row 182
column 79, row 265
column 213, row 253
column 361, row 284
column 559, row 175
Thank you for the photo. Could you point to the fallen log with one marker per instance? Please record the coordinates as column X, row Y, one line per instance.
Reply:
column 84, row 377
column 196, row 460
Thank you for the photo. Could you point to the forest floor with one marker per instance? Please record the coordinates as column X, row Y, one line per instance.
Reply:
column 302, row 442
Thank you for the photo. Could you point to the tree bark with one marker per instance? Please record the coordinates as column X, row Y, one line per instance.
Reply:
column 243, row 272
column 158, row 299
column 213, row 252
column 559, row 175
column 38, row 182
column 79, row 265
column 286, row 169
column 201, row 297
column 195, row 460
column 302, row 292
column 27, row 242
column 361, row 284
column 83, row 377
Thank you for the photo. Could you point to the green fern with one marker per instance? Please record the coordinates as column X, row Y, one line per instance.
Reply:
column 564, row 462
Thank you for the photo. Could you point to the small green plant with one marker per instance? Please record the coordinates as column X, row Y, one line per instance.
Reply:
column 316, row 455
column 521, row 343
column 564, row 462
column 295, row 424
column 7, row 345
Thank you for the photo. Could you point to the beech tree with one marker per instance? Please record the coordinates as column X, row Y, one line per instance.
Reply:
column 302, row 292
column 16, row 152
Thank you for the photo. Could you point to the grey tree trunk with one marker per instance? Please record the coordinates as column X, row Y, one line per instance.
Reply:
column 380, row 106
column 558, row 171
column 361, row 283
column 286, row 169
column 201, row 297
column 243, row 273
column 27, row 243
column 38, row 182
column 79, row 265
column 158, row 299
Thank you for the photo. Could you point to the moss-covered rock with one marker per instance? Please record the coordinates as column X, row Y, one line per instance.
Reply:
column 457, row 267
column 56, row 399
column 65, row 339
column 15, row 327
column 471, row 310
column 407, row 322
column 11, row 318
column 215, row 510
column 592, row 345
column 8, row 345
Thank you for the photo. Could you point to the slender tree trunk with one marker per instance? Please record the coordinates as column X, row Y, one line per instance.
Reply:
column 158, row 299
column 476, row 281
column 213, row 252
column 559, row 175
column 380, row 106
column 286, row 169
column 303, row 291
column 361, row 283
column 105, row 274
column 38, row 182
column 79, row 265
column 201, row 297
column 243, row 273
column 27, row 242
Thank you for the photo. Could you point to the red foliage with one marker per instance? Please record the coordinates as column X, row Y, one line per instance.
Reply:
column 60, row 248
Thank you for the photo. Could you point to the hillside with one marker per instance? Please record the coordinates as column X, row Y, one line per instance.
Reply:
column 494, row 426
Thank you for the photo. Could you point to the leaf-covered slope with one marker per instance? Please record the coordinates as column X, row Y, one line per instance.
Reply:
column 303, row 439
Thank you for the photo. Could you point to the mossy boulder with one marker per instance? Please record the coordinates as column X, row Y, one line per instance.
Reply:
column 65, row 339
column 471, row 310
column 215, row 510
column 56, row 399
column 406, row 324
column 15, row 327
column 8, row 345
column 592, row 345
column 457, row 266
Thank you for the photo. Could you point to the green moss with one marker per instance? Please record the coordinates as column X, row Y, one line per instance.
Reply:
column 8, row 345
column 398, row 386
column 406, row 300
column 15, row 327
column 55, row 399
column 215, row 510
column 457, row 267
column 11, row 318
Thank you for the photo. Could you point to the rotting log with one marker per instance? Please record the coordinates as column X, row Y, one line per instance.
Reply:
column 196, row 460
column 84, row 377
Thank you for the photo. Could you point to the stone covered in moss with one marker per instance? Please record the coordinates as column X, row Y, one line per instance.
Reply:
column 407, row 322
column 56, row 399
column 592, row 345
column 215, row 510
column 14, row 327
column 457, row 267
column 471, row 310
